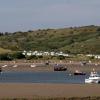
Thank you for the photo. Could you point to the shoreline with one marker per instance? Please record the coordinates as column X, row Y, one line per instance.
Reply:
column 24, row 90
column 71, row 67
column 48, row 90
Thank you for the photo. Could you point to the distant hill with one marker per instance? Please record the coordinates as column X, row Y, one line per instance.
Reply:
column 84, row 39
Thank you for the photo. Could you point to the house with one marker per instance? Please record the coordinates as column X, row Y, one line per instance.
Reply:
column 44, row 53
column 97, row 56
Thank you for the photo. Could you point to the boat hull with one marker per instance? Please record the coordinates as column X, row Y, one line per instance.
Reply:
column 91, row 81
column 60, row 69
column 79, row 73
column 0, row 70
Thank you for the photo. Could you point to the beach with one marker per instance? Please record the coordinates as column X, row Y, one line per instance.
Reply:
column 21, row 90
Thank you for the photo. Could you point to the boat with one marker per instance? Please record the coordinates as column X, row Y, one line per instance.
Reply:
column 33, row 65
column 93, row 78
column 79, row 73
column 59, row 67
column 0, row 69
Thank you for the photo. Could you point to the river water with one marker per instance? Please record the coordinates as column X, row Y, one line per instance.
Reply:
column 42, row 77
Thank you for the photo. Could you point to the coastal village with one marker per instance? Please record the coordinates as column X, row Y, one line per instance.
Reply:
column 46, row 53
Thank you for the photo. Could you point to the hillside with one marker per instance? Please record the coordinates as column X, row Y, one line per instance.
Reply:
column 71, row 40
column 4, row 50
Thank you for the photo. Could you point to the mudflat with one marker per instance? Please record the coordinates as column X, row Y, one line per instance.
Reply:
column 10, row 66
column 22, row 90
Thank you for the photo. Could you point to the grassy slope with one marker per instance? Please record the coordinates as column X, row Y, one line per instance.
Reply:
column 4, row 50
column 75, row 40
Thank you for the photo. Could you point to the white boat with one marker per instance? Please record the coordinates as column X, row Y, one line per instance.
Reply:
column 4, row 66
column 33, row 65
column 93, row 78
column 15, row 66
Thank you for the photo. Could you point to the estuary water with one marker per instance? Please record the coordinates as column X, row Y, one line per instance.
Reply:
column 42, row 77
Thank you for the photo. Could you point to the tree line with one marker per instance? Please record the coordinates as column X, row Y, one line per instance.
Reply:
column 19, row 55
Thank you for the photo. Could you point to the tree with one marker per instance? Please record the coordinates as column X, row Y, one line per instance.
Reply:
column 60, row 57
column 5, row 57
column 1, row 34
column 18, row 55
column 31, row 57
column 98, row 29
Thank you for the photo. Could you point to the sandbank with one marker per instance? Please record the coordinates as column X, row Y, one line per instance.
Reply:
column 30, row 90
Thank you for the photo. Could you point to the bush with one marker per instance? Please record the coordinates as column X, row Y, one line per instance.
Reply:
column 5, row 57
column 98, row 29
column 61, row 57
column 31, row 57
column 17, row 55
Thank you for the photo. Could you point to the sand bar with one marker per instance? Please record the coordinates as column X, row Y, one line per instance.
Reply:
column 21, row 90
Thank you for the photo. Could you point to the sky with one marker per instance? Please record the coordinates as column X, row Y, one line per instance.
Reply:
column 24, row 15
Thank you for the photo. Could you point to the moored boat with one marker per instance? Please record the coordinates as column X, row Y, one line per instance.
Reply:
column 79, row 73
column 59, row 67
column 93, row 78
column 0, row 69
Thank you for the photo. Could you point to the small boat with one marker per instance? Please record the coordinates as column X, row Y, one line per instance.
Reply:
column 79, row 73
column 4, row 66
column 0, row 69
column 15, row 66
column 47, row 63
column 93, row 78
column 59, row 67
column 33, row 65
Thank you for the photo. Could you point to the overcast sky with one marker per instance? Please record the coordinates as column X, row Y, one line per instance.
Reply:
column 24, row 15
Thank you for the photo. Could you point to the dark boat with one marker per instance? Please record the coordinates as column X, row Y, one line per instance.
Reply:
column 79, row 73
column 0, row 70
column 59, row 68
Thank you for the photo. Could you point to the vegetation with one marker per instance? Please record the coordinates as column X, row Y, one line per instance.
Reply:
column 57, row 98
column 69, row 40
column 11, row 56
column 2, row 51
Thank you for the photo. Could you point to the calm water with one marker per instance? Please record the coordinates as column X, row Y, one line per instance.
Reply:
column 41, row 77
